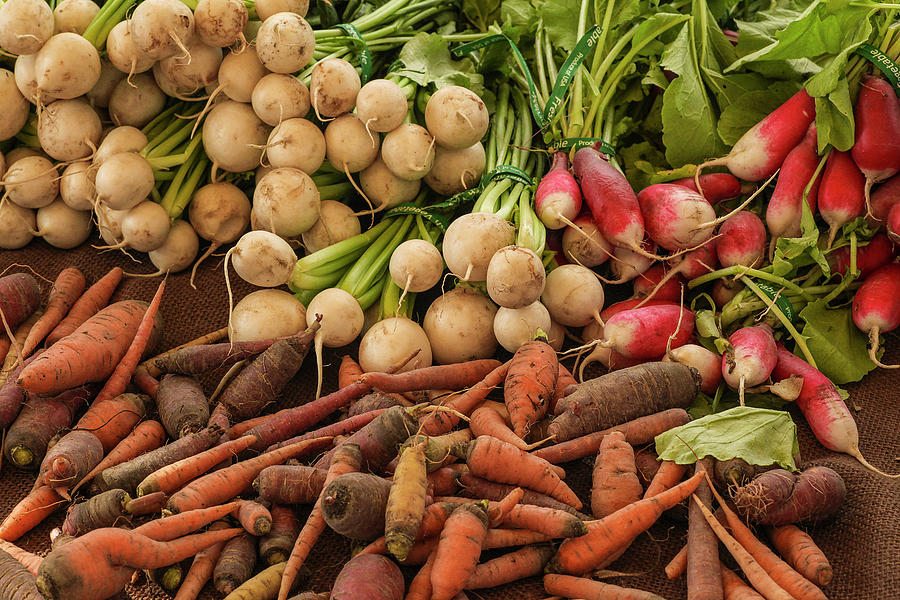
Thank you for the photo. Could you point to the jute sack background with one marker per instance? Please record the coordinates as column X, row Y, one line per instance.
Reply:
column 862, row 541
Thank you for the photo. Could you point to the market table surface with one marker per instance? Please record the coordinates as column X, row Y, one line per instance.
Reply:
column 862, row 541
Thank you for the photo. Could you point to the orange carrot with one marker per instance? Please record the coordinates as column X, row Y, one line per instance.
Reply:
column 420, row 586
column 704, row 582
column 549, row 521
column 735, row 588
column 754, row 572
column 615, row 481
column 453, row 376
column 253, row 517
column 111, row 420
column 66, row 290
column 437, row 423
column 176, row 526
column 172, row 476
column 504, row 538
column 563, row 380
column 781, row 573
column 119, row 379
column 91, row 301
column 146, row 505
column 26, row 559
column 530, row 384
column 579, row 587
column 148, row 435
column 90, row 353
column 506, row 504
column 348, row 459
column 678, row 564
column 349, row 372
column 39, row 504
column 202, row 567
column 639, row 431
column 487, row 421
column 504, row 463
column 513, row 566
column 458, row 550
column 239, row 429
column 668, row 476
column 606, row 536
column 224, row 484
column 801, row 552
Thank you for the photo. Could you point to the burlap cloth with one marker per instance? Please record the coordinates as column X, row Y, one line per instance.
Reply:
column 862, row 541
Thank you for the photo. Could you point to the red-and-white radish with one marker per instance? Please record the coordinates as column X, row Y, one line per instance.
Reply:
column 884, row 197
column 784, row 209
column 557, row 200
column 675, row 217
column 741, row 241
column 876, row 308
column 650, row 282
column 715, row 187
column 892, row 223
column 841, row 195
column 876, row 147
column 707, row 363
column 689, row 266
column 879, row 251
column 750, row 359
column 647, row 332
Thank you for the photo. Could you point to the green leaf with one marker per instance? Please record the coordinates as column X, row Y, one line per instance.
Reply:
column 560, row 18
column 751, row 108
column 834, row 118
column 518, row 13
column 481, row 13
column 757, row 435
column 838, row 346
column 792, row 254
column 426, row 60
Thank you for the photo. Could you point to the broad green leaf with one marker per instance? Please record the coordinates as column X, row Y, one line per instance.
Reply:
column 834, row 118
column 426, row 60
column 757, row 435
column 481, row 13
column 518, row 13
column 751, row 108
column 560, row 18
column 838, row 346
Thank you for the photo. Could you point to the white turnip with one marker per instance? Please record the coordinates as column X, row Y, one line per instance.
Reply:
column 62, row 226
column 31, row 182
column 25, row 25
column 383, row 188
column 459, row 325
column 391, row 340
column 76, row 186
column 471, row 240
column 341, row 319
column 13, row 106
column 296, row 143
column 124, row 180
column 219, row 213
column 162, row 28
column 17, row 226
column 239, row 74
column 456, row 117
column 456, row 170
column 124, row 138
column 67, row 66
column 136, row 101
column 408, row 151
column 277, row 97
column 220, row 23
column 336, row 223
column 145, row 227
column 381, row 105
column 285, row 42
column 416, row 266
column 333, row 86
column 195, row 71
column 515, row 277
column 573, row 295
column 69, row 129
column 74, row 15
column 516, row 326
column 123, row 53
column 110, row 76
column 177, row 252
column 265, row 315
column 26, row 81
column 233, row 136
column 285, row 202
column 267, row 8
column 109, row 223
column 583, row 244
column 348, row 146
column 263, row 259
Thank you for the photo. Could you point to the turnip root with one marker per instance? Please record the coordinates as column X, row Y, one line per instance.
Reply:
column 109, row 222
column 239, row 73
column 456, row 117
column 348, row 146
column 277, row 97
column 385, row 189
column 220, row 214
column 119, row 139
column 17, row 225
column 296, row 143
column 31, row 182
column 25, row 25
column 67, row 66
column 779, row 497
column 145, row 227
column 573, row 295
column 20, row 152
column 336, row 223
column 584, row 244
column 516, row 326
column 456, row 170
column 341, row 322
column 62, row 226
column 391, row 340
column 233, row 136
column 13, row 105
column 135, row 101
column 471, row 241
column 177, row 252
column 381, row 105
column 162, row 28
column 69, row 129
column 459, row 325
column 333, row 86
column 408, row 151
column 285, row 202
column 285, row 42
column 197, row 70
column 628, row 264
column 515, row 277
column 266, row 315
column 124, row 54
column 74, row 15
column 267, row 8
column 124, row 180
column 26, row 81
column 707, row 363
column 416, row 266
column 220, row 23
column 262, row 259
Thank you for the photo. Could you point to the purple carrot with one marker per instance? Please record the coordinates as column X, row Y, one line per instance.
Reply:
column 181, row 404
column 348, row 425
column 19, row 297
column 12, row 395
column 193, row 360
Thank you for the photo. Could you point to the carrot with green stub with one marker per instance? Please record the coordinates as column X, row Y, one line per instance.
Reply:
column 802, row 553
column 90, row 353
column 668, row 476
column 67, row 288
column 36, row 506
column 530, row 384
column 513, row 566
column 606, row 536
column 734, row 587
column 148, row 435
column 458, row 550
column 464, row 402
column 615, row 483
column 580, row 587
column 87, row 305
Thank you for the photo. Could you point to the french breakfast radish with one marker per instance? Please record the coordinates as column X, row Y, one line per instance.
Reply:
column 876, row 308
column 884, row 197
column 644, row 333
column 741, row 241
column 750, row 359
column 784, row 209
column 651, row 282
column 876, row 147
column 557, row 195
column 762, row 149
column 893, row 224
column 879, row 251
column 822, row 405
column 707, row 363
column 689, row 266
column 841, row 195
column 675, row 217
column 715, row 187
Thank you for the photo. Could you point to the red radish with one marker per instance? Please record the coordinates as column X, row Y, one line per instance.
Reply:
column 644, row 332
column 762, row 150
column 691, row 265
column 676, row 217
column 649, row 282
column 783, row 211
column 876, row 148
column 893, row 224
column 611, row 200
column 822, row 405
column 841, row 193
column 629, row 304
column 750, row 359
column 557, row 200
column 607, row 357
column 715, row 187
column 582, row 242
column 876, row 308
column 741, row 241
column 879, row 251
column 884, row 197
column 707, row 363
column 724, row 291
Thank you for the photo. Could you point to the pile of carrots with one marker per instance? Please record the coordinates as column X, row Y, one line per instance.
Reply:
column 420, row 467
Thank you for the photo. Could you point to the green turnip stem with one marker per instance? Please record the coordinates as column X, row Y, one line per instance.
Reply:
column 741, row 270
column 176, row 202
column 108, row 17
column 324, row 257
column 373, row 263
column 152, row 129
